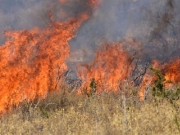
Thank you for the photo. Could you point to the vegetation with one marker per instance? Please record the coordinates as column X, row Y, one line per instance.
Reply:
column 63, row 113
column 160, row 93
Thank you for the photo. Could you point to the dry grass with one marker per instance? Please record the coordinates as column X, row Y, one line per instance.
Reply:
column 103, row 114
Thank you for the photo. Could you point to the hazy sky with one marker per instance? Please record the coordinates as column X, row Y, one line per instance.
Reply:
column 114, row 19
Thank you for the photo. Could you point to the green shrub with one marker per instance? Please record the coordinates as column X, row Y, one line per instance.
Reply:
column 160, row 93
column 90, row 92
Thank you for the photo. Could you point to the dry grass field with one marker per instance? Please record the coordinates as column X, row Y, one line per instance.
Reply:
column 63, row 113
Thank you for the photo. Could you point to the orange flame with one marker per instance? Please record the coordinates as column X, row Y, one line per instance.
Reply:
column 32, row 60
column 172, row 71
column 111, row 65
column 62, row 1
column 169, row 70
column 94, row 2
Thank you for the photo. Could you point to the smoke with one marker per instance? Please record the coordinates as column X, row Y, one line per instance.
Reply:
column 32, row 60
column 19, row 14
column 165, row 30
column 23, row 14
column 153, row 23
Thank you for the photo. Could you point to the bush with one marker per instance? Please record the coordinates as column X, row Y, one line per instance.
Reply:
column 160, row 93
column 159, row 90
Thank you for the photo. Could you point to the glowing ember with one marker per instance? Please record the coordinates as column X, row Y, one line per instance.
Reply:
column 111, row 65
column 31, row 61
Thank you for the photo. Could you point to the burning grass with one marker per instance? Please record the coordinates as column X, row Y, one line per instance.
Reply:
column 30, row 62
column 111, row 65
column 35, row 98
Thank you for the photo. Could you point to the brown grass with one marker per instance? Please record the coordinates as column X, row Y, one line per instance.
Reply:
column 63, row 113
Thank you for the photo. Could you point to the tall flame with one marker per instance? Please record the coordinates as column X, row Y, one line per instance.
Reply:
column 111, row 65
column 32, row 60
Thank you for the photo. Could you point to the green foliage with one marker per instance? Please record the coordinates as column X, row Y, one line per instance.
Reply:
column 159, row 91
column 177, row 122
column 92, row 90
column 44, row 113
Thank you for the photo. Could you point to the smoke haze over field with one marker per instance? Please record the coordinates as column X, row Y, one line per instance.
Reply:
column 150, row 22
column 153, row 23
column 125, row 37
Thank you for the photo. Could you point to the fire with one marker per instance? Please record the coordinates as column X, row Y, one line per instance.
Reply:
column 31, row 61
column 62, row 1
column 169, row 70
column 95, row 2
column 111, row 65
column 147, row 80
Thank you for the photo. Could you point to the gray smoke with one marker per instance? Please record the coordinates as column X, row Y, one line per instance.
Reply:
column 21, row 14
column 153, row 23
